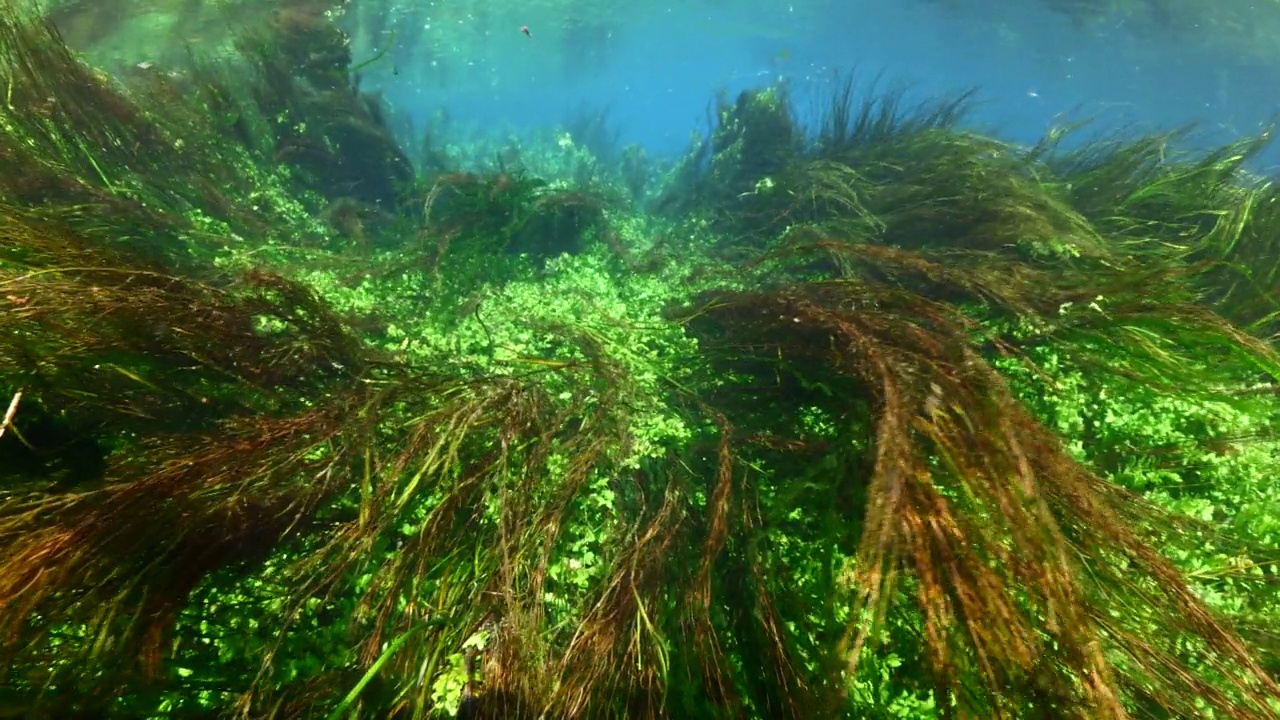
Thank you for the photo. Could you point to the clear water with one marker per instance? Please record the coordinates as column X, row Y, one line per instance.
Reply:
column 1144, row 65
column 1148, row 65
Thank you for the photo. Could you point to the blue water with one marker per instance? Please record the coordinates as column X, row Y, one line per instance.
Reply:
column 658, row 67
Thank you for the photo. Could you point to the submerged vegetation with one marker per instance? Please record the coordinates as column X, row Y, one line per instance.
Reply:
column 882, row 418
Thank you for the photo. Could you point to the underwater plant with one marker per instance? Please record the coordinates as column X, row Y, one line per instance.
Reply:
column 813, row 454
column 336, row 136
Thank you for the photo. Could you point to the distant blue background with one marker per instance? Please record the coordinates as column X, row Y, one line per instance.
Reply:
column 659, row 69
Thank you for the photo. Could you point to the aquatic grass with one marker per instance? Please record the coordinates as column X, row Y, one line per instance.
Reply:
column 195, row 384
column 888, row 173
column 493, row 464
column 470, row 218
column 934, row 444
column 111, row 338
column 82, row 138
column 719, row 512
column 1146, row 188
column 1155, row 200
column 335, row 137
column 1242, row 276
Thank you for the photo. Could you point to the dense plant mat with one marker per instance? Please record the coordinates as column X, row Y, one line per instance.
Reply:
column 882, row 418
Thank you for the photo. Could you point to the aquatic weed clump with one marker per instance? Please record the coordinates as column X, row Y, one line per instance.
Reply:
column 898, row 230
column 334, row 136
column 770, row 465
column 879, row 409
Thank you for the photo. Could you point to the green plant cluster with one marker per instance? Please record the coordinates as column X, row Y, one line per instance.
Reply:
column 883, row 418
column 1208, row 459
